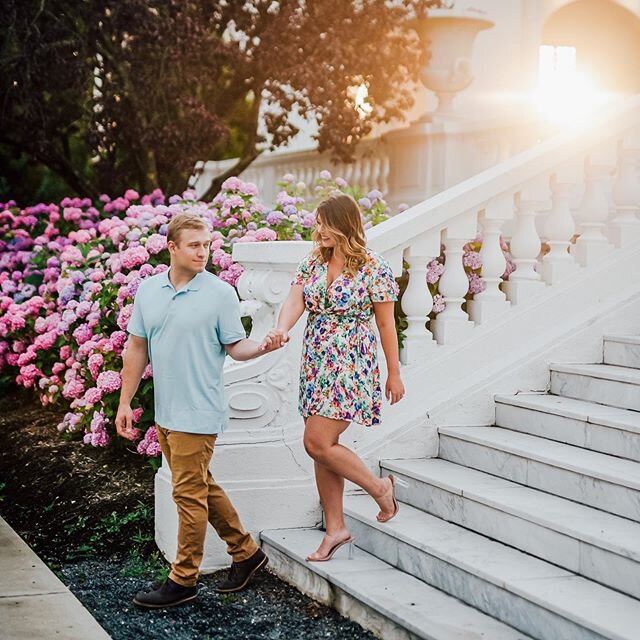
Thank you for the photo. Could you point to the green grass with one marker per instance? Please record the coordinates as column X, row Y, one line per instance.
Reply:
column 137, row 565
column 131, row 531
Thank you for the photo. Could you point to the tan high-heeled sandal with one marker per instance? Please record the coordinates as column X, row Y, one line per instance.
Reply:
column 333, row 549
column 396, row 505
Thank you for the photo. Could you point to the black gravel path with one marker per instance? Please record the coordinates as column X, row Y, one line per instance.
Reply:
column 269, row 610
column 88, row 513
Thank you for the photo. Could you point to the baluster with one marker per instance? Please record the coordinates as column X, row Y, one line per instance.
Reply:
column 624, row 229
column 375, row 172
column 416, row 300
column 558, row 230
column 365, row 171
column 592, row 245
column 265, row 180
column 453, row 324
column 525, row 281
column 384, row 174
column 356, row 175
column 492, row 301
column 348, row 174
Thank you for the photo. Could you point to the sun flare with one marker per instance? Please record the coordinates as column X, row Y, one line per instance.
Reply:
column 563, row 94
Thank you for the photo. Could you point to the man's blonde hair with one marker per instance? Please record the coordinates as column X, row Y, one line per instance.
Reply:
column 184, row 221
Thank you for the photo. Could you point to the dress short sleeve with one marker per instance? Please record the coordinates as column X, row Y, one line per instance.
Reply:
column 382, row 284
column 303, row 272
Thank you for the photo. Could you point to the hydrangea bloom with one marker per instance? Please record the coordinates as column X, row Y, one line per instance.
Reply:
column 97, row 436
column 134, row 256
column 149, row 445
column 109, row 381
column 472, row 259
column 155, row 243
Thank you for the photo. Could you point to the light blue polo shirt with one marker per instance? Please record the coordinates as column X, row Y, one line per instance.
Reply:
column 186, row 332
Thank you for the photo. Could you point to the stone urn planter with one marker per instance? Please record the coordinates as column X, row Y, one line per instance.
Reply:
column 449, row 34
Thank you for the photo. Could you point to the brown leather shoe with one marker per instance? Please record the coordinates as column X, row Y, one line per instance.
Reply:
column 168, row 594
column 241, row 573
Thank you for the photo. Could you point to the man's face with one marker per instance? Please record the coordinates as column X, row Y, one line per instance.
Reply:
column 191, row 251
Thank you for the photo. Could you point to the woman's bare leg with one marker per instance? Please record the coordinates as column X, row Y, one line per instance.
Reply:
column 333, row 463
column 331, row 490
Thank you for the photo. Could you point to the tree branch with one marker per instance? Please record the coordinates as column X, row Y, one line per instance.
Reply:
column 249, row 152
column 58, row 164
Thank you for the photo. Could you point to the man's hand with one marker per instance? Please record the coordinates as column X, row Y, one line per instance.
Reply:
column 275, row 339
column 124, row 422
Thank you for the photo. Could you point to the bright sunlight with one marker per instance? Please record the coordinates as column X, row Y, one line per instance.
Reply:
column 563, row 94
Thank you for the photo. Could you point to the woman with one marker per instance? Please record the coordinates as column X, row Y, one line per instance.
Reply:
column 342, row 284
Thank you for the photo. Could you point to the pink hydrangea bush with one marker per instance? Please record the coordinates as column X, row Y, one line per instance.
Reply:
column 63, row 321
column 69, row 273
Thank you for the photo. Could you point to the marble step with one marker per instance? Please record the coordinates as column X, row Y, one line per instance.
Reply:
column 577, row 422
column 623, row 351
column 595, row 479
column 392, row 604
column 586, row 541
column 536, row 597
column 602, row 383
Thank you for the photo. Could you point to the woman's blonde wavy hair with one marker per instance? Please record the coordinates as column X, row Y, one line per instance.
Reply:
column 341, row 216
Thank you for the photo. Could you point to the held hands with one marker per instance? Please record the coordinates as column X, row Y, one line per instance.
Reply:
column 275, row 339
column 124, row 422
column 394, row 389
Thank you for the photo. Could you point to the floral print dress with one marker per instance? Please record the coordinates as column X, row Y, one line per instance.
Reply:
column 339, row 376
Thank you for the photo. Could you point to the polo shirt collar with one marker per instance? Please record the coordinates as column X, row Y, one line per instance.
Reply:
column 193, row 284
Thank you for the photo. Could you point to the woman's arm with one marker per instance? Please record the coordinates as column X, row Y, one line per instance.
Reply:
column 290, row 313
column 394, row 389
column 292, row 309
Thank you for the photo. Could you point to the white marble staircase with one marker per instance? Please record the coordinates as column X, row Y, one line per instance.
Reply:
column 526, row 529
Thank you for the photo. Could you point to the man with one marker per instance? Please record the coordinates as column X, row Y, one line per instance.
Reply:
column 184, row 320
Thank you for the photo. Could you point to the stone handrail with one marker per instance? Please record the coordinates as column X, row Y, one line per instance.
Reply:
column 591, row 180
column 518, row 189
column 508, row 176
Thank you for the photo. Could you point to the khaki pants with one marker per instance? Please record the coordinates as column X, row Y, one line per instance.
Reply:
column 199, row 500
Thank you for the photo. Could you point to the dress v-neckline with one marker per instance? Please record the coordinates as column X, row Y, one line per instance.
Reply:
column 326, row 277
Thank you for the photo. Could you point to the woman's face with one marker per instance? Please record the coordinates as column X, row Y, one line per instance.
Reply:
column 327, row 239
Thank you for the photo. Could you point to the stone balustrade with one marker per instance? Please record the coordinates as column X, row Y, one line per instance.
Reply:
column 369, row 170
column 573, row 172
column 408, row 164
column 583, row 184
